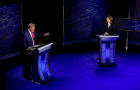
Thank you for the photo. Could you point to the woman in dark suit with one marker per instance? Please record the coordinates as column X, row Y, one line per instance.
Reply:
column 109, row 26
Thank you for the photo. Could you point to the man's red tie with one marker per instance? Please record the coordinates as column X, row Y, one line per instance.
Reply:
column 33, row 39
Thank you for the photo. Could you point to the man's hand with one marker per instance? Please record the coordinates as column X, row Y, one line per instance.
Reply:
column 46, row 34
column 106, row 33
column 30, row 48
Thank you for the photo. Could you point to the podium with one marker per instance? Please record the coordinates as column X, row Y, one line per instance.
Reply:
column 107, row 49
column 40, row 65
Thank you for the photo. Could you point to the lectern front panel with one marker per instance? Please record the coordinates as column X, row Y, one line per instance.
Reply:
column 107, row 49
column 41, row 72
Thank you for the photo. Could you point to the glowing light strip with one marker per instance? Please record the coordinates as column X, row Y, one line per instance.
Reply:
column 41, row 49
column 39, row 67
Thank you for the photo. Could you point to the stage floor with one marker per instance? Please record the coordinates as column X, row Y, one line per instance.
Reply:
column 79, row 71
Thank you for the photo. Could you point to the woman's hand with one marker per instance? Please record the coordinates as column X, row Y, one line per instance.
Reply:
column 106, row 33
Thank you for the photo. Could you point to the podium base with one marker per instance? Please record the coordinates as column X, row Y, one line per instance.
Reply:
column 106, row 64
column 44, row 81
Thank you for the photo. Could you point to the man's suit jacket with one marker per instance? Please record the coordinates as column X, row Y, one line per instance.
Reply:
column 111, row 29
column 27, row 41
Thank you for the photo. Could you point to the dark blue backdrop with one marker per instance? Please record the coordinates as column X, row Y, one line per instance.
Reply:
column 134, row 13
column 83, row 19
column 10, row 26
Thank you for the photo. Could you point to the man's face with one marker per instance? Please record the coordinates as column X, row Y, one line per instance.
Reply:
column 32, row 29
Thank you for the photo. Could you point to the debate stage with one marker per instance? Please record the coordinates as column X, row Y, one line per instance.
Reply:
column 76, row 68
column 79, row 59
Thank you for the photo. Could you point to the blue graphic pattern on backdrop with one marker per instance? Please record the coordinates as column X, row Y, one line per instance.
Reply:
column 83, row 19
column 10, row 23
column 128, row 24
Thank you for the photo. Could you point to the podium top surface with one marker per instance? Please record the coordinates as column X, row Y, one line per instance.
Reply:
column 40, row 48
column 45, row 47
column 109, row 36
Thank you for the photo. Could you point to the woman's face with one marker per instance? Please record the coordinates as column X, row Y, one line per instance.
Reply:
column 108, row 20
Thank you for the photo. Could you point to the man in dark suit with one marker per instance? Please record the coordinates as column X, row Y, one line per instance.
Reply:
column 109, row 26
column 29, row 40
column 30, row 36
